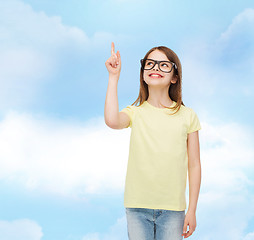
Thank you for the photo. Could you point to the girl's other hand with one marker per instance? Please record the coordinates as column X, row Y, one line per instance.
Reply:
column 113, row 64
column 190, row 219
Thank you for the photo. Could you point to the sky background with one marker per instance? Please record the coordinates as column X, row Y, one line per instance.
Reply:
column 62, row 170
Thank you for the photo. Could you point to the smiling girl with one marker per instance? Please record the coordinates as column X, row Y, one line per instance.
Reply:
column 164, row 145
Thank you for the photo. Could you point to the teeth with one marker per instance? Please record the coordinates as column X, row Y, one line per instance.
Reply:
column 156, row 75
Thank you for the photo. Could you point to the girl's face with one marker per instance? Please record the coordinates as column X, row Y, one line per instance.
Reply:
column 165, row 79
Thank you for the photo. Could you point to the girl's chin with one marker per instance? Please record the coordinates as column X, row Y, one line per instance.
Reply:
column 157, row 84
column 155, row 81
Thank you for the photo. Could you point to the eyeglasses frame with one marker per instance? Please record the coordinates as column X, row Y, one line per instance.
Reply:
column 157, row 62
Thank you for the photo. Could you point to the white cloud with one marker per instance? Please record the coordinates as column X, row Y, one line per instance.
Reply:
column 72, row 159
column 240, row 25
column 249, row 236
column 21, row 229
column 116, row 232
column 22, row 25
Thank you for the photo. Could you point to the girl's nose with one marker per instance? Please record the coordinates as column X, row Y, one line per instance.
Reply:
column 156, row 67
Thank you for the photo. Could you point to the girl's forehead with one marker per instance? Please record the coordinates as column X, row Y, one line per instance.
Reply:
column 158, row 55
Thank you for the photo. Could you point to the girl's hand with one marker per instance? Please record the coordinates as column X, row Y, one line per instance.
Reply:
column 113, row 64
column 190, row 219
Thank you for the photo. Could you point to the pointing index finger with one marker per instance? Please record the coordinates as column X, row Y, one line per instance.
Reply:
column 112, row 48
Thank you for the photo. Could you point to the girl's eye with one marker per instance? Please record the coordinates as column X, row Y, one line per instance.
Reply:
column 166, row 65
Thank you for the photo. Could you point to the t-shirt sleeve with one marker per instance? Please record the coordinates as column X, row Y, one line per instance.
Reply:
column 194, row 124
column 129, row 110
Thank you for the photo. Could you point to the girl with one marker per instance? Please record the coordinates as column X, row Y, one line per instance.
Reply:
column 164, row 143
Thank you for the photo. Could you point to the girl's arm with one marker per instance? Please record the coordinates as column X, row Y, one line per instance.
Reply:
column 194, row 172
column 112, row 117
column 194, row 169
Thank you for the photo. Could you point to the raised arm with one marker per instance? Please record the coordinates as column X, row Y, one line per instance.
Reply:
column 112, row 117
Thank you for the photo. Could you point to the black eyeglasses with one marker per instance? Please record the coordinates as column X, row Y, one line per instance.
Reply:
column 164, row 66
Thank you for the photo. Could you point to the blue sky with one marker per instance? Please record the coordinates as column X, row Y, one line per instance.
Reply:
column 62, row 170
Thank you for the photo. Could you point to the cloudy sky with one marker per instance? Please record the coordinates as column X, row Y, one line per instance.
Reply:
column 62, row 170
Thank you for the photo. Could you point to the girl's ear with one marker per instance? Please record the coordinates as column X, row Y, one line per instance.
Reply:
column 174, row 79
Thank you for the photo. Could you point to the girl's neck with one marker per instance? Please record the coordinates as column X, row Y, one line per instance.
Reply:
column 156, row 102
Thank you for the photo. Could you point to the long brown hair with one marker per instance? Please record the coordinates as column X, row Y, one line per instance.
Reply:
column 175, row 89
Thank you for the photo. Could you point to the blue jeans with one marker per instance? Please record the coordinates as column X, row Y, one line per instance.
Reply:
column 154, row 224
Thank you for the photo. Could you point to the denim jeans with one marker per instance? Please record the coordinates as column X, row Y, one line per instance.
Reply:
column 154, row 224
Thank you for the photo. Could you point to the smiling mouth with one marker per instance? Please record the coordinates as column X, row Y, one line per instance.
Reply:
column 153, row 75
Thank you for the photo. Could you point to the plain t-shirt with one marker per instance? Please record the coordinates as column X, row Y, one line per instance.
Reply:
column 157, row 164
